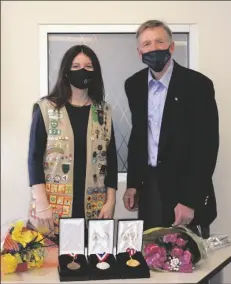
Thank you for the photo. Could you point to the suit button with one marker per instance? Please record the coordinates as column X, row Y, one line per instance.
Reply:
column 159, row 162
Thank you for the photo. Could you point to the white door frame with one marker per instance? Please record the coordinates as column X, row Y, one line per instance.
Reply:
column 45, row 30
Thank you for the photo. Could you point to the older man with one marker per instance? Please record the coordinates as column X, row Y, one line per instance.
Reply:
column 174, row 141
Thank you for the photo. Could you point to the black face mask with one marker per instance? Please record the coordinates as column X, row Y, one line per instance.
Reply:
column 81, row 78
column 156, row 59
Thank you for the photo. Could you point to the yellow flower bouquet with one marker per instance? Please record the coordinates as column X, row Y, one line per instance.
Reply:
column 23, row 248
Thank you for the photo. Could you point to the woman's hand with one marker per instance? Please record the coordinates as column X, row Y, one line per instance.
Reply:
column 44, row 221
column 108, row 209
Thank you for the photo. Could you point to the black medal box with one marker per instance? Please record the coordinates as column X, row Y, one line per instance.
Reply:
column 73, row 265
column 78, row 272
column 102, row 262
column 102, row 270
column 130, row 261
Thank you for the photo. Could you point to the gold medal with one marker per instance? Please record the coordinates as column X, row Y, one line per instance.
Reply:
column 133, row 262
column 73, row 265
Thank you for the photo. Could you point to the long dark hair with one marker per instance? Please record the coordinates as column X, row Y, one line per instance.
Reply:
column 61, row 92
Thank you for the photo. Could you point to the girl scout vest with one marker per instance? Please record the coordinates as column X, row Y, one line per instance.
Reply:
column 59, row 159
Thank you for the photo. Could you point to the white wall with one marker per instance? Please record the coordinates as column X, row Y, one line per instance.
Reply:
column 20, row 78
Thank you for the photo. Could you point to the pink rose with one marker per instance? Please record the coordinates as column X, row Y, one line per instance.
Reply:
column 154, row 248
column 180, row 242
column 166, row 266
column 147, row 249
column 170, row 238
column 177, row 252
column 163, row 254
column 157, row 263
column 186, row 257
column 186, row 268
column 149, row 261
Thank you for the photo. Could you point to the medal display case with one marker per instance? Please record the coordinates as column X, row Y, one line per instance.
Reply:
column 73, row 264
column 130, row 261
column 102, row 262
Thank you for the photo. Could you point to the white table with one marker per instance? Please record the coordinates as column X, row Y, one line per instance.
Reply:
column 204, row 270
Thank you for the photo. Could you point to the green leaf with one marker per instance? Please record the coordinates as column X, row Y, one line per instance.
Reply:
column 36, row 245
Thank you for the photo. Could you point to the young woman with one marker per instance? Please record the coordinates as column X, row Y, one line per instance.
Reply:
column 72, row 154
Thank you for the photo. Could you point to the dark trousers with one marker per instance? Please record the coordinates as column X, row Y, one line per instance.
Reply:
column 153, row 211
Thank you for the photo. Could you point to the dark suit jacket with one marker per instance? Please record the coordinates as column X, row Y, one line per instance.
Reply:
column 188, row 144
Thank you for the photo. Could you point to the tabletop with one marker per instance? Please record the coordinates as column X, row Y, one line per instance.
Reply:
column 204, row 270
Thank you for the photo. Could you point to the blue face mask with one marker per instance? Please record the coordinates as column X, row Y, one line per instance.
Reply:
column 156, row 59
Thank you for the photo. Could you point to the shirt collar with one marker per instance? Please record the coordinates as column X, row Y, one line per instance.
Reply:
column 165, row 79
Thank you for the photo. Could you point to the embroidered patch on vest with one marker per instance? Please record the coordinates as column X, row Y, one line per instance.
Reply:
column 54, row 131
column 54, row 150
column 54, row 123
column 54, row 113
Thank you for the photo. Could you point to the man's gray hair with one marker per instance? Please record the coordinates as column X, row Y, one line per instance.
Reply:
column 153, row 24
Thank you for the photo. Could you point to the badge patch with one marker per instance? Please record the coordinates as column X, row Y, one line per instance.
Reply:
column 68, row 188
column 60, row 199
column 64, row 178
column 57, row 179
column 95, row 178
column 61, row 188
column 100, row 204
column 66, row 209
column 67, row 200
column 101, row 197
column 103, row 170
column 65, row 168
column 90, row 190
column 54, row 123
column 54, row 150
column 53, row 199
column 103, row 189
column 54, row 188
column 94, row 197
column 54, row 114
column 48, row 187
column 48, row 178
column 54, row 131
column 59, row 209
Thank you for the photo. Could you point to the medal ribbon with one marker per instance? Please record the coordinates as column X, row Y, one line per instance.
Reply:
column 74, row 255
column 130, row 251
column 102, row 256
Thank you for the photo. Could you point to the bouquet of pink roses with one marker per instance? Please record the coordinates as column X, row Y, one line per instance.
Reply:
column 177, row 248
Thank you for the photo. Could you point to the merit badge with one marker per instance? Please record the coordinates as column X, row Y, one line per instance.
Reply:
column 54, row 132
column 103, row 170
column 54, row 123
column 64, row 178
column 100, row 116
column 48, row 178
column 65, row 168
column 57, row 179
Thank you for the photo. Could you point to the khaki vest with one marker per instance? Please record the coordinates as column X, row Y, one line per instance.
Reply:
column 59, row 159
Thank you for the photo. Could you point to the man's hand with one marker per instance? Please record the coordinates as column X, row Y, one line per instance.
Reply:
column 129, row 199
column 183, row 215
